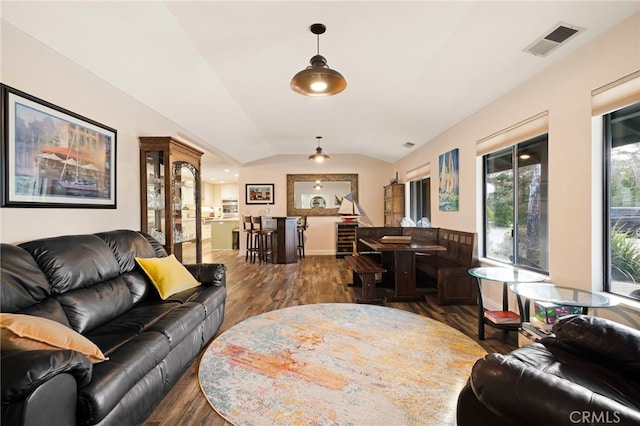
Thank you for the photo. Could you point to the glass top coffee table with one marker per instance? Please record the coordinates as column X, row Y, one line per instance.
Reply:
column 547, row 292
column 505, row 275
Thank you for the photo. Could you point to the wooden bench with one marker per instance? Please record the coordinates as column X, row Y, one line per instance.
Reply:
column 364, row 270
column 450, row 268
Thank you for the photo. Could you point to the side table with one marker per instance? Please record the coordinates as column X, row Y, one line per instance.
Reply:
column 505, row 275
column 548, row 292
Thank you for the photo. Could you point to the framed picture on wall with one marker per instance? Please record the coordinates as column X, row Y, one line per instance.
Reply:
column 448, row 181
column 259, row 193
column 53, row 157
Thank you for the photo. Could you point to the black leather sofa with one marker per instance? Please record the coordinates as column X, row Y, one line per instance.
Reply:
column 92, row 284
column 588, row 374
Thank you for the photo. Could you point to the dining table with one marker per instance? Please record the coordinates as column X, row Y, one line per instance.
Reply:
column 399, row 259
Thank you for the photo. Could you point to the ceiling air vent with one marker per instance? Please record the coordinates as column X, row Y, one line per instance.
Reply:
column 554, row 38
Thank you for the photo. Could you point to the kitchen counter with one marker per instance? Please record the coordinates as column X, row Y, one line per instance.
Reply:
column 219, row 219
column 221, row 232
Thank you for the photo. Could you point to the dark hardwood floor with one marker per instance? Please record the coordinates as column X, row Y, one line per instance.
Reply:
column 254, row 289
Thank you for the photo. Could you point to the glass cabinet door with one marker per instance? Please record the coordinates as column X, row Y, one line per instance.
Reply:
column 155, row 187
column 185, row 211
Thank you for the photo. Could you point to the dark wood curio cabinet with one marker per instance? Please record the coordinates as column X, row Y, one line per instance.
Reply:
column 170, row 196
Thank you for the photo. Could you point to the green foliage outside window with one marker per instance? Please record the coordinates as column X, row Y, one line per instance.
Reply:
column 624, row 182
column 625, row 257
column 501, row 201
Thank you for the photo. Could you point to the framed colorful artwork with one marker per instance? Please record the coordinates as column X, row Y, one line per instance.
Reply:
column 53, row 157
column 259, row 193
column 448, row 181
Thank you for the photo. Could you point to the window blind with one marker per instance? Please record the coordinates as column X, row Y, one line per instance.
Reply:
column 615, row 95
column 419, row 172
column 522, row 131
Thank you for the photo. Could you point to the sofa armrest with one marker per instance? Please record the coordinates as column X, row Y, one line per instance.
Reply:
column 601, row 339
column 209, row 273
column 24, row 371
column 525, row 395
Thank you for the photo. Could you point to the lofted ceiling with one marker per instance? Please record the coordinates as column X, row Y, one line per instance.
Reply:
column 221, row 69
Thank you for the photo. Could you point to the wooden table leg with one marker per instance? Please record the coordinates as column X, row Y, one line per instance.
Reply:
column 404, row 272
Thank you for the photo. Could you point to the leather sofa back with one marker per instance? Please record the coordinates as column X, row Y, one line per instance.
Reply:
column 73, row 262
column 81, row 281
column 23, row 283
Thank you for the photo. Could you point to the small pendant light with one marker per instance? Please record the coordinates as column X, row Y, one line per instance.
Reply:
column 318, row 79
column 319, row 156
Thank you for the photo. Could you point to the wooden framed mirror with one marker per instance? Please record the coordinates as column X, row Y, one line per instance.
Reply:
column 319, row 194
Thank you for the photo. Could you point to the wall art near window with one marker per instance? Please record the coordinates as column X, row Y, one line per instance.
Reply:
column 259, row 193
column 53, row 157
column 448, row 185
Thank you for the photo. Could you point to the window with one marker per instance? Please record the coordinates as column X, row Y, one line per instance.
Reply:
column 420, row 199
column 515, row 208
column 622, row 195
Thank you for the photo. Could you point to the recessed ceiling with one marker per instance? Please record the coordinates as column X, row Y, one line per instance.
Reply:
column 221, row 69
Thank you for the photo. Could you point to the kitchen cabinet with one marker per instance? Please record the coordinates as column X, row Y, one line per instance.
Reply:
column 229, row 191
column 207, row 195
column 170, row 196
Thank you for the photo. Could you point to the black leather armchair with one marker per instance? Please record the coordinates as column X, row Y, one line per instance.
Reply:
column 588, row 374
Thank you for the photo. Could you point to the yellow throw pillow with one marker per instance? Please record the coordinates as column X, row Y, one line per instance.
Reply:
column 29, row 332
column 167, row 275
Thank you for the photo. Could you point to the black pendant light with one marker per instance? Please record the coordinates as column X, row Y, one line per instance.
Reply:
column 318, row 79
column 319, row 156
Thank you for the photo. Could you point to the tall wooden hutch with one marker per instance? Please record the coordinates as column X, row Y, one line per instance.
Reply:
column 170, row 196
column 393, row 204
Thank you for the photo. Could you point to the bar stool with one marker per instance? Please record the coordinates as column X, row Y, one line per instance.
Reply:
column 263, row 239
column 302, row 226
column 249, row 230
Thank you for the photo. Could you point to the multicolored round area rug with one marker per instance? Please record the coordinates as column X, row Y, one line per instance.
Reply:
column 338, row 364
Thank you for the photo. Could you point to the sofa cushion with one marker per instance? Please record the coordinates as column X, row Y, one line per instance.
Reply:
column 26, row 332
column 88, row 308
column 23, row 283
column 126, row 246
column 117, row 332
column 157, row 247
column 73, row 261
column 555, row 358
column 167, row 274
column 603, row 339
column 178, row 323
column 50, row 309
column 139, row 285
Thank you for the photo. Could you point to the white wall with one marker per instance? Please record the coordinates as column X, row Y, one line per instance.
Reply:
column 575, row 183
column 373, row 175
column 30, row 66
